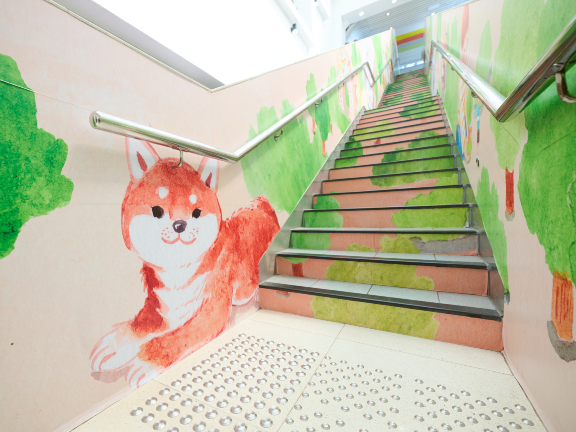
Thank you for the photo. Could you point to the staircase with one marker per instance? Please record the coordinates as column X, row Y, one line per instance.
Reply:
column 392, row 240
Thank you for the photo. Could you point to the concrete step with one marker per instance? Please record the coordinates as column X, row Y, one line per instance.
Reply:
column 400, row 134
column 449, row 176
column 445, row 241
column 395, row 155
column 399, row 122
column 407, row 114
column 413, row 216
column 428, row 272
column 353, row 149
column 394, row 167
column 450, row 194
column 456, row 318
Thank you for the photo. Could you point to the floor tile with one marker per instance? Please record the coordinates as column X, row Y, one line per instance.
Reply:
column 465, row 300
column 373, row 389
column 292, row 280
column 356, row 288
column 321, row 327
column 404, row 293
column 459, row 354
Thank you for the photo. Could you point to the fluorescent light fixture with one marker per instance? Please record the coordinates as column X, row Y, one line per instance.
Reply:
column 294, row 29
column 361, row 14
column 394, row 1
column 388, row 14
column 419, row 62
column 432, row 13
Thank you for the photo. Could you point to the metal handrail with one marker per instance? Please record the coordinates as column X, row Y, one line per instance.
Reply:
column 120, row 126
column 552, row 64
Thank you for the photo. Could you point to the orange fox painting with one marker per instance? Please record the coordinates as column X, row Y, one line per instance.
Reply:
column 196, row 266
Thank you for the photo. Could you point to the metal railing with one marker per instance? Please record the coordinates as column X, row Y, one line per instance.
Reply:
column 553, row 63
column 120, row 126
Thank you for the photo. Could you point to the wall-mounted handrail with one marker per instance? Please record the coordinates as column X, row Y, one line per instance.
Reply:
column 552, row 64
column 120, row 126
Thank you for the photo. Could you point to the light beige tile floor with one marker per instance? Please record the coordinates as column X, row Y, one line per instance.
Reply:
column 281, row 372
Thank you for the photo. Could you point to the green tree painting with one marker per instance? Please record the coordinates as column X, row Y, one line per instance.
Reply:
column 31, row 180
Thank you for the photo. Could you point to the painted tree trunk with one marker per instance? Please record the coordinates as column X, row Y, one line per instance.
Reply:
column 562, row 306
column 509, row 191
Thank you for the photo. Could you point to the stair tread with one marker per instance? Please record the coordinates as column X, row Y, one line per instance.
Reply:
column 459, row 304
column 468, row 261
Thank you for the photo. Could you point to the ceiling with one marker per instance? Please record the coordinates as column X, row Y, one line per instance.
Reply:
column 405, row 16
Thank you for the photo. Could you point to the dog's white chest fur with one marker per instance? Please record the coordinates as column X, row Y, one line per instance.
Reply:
column 180, row 299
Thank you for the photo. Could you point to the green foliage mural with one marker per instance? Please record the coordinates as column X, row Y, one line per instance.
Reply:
column 547, row 168
column 264, row 168
column 487, row 199
column 386, row 318
column 31, row 183
column 377, row 273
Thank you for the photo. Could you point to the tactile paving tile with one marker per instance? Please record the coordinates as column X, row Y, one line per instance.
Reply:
column 251, row 372
column 262, row 377
column 362, row 388
column 155, row 407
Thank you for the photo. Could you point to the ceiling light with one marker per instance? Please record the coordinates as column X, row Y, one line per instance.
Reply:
column 394, row 1
column 294, row 29
column 388, row 14
column 432, row 13
column 361, row 14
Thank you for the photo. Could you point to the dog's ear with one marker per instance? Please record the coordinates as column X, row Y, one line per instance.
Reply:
column 209, row 172
column 141, row 156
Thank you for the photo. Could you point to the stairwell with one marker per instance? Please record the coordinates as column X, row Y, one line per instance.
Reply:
column 393, row 239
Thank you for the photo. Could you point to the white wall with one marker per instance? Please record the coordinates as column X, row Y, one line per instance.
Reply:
column 252, row 35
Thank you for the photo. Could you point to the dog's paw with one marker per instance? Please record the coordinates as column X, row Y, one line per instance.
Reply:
column 140, row 372
column 114, row 351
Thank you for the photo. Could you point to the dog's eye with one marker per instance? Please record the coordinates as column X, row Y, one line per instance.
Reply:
column 157, row 212
column 196, row 213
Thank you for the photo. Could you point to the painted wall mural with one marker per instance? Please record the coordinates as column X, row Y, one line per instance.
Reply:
column 524, row 179
column 31, row 183
column 143, row 263
column 196, row 265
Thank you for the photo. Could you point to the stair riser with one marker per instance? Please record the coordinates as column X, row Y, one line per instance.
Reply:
column 455, row 217
column 351, row 151
column 441, row 244
column 389, row 198
column 443, row 279
column 410, row 133
column 400, row 107
column 398, row 124
column 394, row 105
column 472, row 332
column 426, row 111
column 394, row 156
column 391, row 182
column 393, row 168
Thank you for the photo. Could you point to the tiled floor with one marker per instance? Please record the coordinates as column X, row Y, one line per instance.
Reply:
column 280, row 372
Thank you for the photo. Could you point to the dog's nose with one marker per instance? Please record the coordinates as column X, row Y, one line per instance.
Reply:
column 179, row 226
